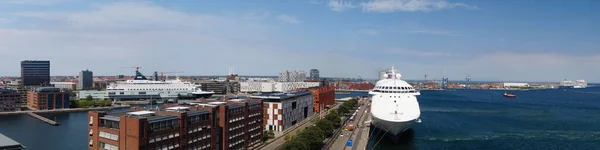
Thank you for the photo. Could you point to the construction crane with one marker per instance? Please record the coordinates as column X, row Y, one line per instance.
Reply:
column 468, row 81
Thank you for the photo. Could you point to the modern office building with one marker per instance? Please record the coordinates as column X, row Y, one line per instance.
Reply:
column 292, row 76
column 323, row 97
column 314, row 74
column 64, row 85
column 220, row 87
column 35, row 73
column 48, row 98
column 269, row 87
column 86, row 80
column 284, row 110
column 205, row 125
column 22, row 90
column 9, row 100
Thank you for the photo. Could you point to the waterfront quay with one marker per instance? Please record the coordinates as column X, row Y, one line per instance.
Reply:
column 359, row 136
column 433, row 86
column 62, row 110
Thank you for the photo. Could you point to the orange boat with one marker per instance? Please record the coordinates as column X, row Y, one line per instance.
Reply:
column 510, row 95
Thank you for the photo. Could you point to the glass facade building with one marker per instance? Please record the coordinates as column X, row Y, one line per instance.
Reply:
column 34, row 72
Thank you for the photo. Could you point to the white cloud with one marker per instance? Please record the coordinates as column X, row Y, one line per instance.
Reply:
column 436, row 32
column 417, row 52
column 386, row 6
column 340, row 5
column 113, row 35
column 33, row 2
column 509, row 66
column 315, row 1
column 370, row 32
column 288, row 19
column 256, row 15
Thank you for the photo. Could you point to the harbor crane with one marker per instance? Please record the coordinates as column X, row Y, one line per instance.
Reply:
column 468, row 81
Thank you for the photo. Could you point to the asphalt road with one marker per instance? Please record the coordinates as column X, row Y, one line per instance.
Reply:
column 341, row 142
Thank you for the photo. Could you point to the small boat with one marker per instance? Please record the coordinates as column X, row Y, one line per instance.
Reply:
column 510, row 95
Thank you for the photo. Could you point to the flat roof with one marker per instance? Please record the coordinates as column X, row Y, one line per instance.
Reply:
column 177, row 108
column 282, row 96
column 8, row 143
column 141, row 113
column 235, row 106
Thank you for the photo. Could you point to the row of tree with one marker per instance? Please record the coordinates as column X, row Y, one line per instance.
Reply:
column 89, row 102
column 313, row 137
column 347, row 106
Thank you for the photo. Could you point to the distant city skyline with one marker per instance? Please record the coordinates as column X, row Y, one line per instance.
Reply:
column 510, row 40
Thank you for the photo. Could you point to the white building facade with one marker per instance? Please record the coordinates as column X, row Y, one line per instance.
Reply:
column 292, row 76
column 516, row 85
column 267, row 87
column 97, row 95
column 64, row 85
column 286, row 109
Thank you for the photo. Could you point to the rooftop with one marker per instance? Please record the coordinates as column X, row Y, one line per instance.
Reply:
column 7, row 143
column 282, row 96
column 62, row 83
column 150, row 115
column 47, row 89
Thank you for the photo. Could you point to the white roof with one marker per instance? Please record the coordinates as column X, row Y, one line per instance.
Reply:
column 216, row 103
column 62, row 83
column 392, row 82
column 141, row 113
column 177, row 108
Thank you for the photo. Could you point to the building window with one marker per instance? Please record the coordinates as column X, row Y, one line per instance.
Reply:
column 108, row 146
column 110, row 136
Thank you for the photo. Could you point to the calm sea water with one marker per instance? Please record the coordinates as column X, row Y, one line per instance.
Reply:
column 461, row 119
column 482, row 119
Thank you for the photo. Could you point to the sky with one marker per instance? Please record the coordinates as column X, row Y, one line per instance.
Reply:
column 497, row 40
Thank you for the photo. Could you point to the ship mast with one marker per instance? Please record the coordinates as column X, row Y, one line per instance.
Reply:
column 394, row 75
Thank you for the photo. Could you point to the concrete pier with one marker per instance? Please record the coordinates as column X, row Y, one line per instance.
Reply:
column 51, row 122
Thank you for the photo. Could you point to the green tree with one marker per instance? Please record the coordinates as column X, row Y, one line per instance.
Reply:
column 335, row 119
column 89, row 97
column 315, row 137
column 297, row 143
column 265, row 136
column 344, row 109
column 326, row 126
column 271, row 134
column 333, row 111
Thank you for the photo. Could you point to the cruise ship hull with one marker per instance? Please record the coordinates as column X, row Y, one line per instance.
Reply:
column 392, row 128
column 202, row 95
column 394, row 116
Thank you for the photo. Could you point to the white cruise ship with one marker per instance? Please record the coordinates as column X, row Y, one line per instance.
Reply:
column 142, row 88
column 394, row 107
column 570, row 84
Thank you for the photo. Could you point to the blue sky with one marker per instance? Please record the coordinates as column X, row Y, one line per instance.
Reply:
column 507, row 40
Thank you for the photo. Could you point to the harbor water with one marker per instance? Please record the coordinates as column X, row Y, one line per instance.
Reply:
column 484, row 119
column 455, row 119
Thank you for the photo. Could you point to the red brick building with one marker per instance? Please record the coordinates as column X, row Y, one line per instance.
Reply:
column 233, row 124
column 9, row 100
column 322, row 97
column 48, row 98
